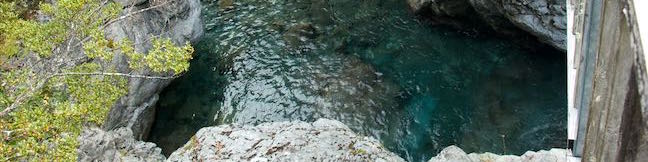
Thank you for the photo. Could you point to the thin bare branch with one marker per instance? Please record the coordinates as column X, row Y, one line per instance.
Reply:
column 134, row 13
column 33, row 90
column 25, row 96
column 124, row 17
column 118, row 74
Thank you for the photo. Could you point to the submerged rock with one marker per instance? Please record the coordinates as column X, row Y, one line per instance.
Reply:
column 322, row 140
column 226, row 4
column 544, row 19
column 455, row 154
column 300, row 35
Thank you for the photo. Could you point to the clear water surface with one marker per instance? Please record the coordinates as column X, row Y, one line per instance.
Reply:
column 373, row 66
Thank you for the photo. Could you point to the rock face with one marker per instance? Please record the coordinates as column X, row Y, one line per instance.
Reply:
column 545, row 19
column 178, row 20
column 455, row 154
column 323, row 140
column 116, row 145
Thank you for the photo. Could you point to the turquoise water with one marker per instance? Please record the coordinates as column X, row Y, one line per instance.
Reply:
column 373, row 66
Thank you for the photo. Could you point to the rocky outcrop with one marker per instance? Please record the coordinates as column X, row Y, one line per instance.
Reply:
column 117, row 145
column 544, row 19
column 322, row 140
column 455, row 154
column 178, row 20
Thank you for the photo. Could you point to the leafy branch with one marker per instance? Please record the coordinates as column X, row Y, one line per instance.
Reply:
column 118, row 74
column 31, row 92
column 57, row 74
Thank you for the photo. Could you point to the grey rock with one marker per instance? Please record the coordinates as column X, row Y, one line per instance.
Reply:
column 443, row 11
column 322, row 140
column 544, row 19
column 451, row 153
column 535, row 17
column 178, row 20
column 455, row 154
column 117, row 145
column 441, row 7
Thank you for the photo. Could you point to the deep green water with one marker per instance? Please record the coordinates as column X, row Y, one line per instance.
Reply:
column 373, row 66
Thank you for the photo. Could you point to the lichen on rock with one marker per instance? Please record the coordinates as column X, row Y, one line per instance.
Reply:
column 322, row 140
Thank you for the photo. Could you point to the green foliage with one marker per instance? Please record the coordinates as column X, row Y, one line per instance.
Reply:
column 45, row 124
column 165, row 56
column 7, row 40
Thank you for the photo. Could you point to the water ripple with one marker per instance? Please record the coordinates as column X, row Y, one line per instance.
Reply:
column 374, row 67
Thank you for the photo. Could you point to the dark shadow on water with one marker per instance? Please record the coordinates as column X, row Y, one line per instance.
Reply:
column 189, row 102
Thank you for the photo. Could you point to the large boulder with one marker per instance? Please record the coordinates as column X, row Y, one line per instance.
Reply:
column 116, row 145
column 544, row 19
column 322, row 140
column 178, row 20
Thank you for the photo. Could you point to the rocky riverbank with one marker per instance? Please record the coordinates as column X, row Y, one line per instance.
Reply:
column 322, row 140
column 180, row 21
column 131, row 118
